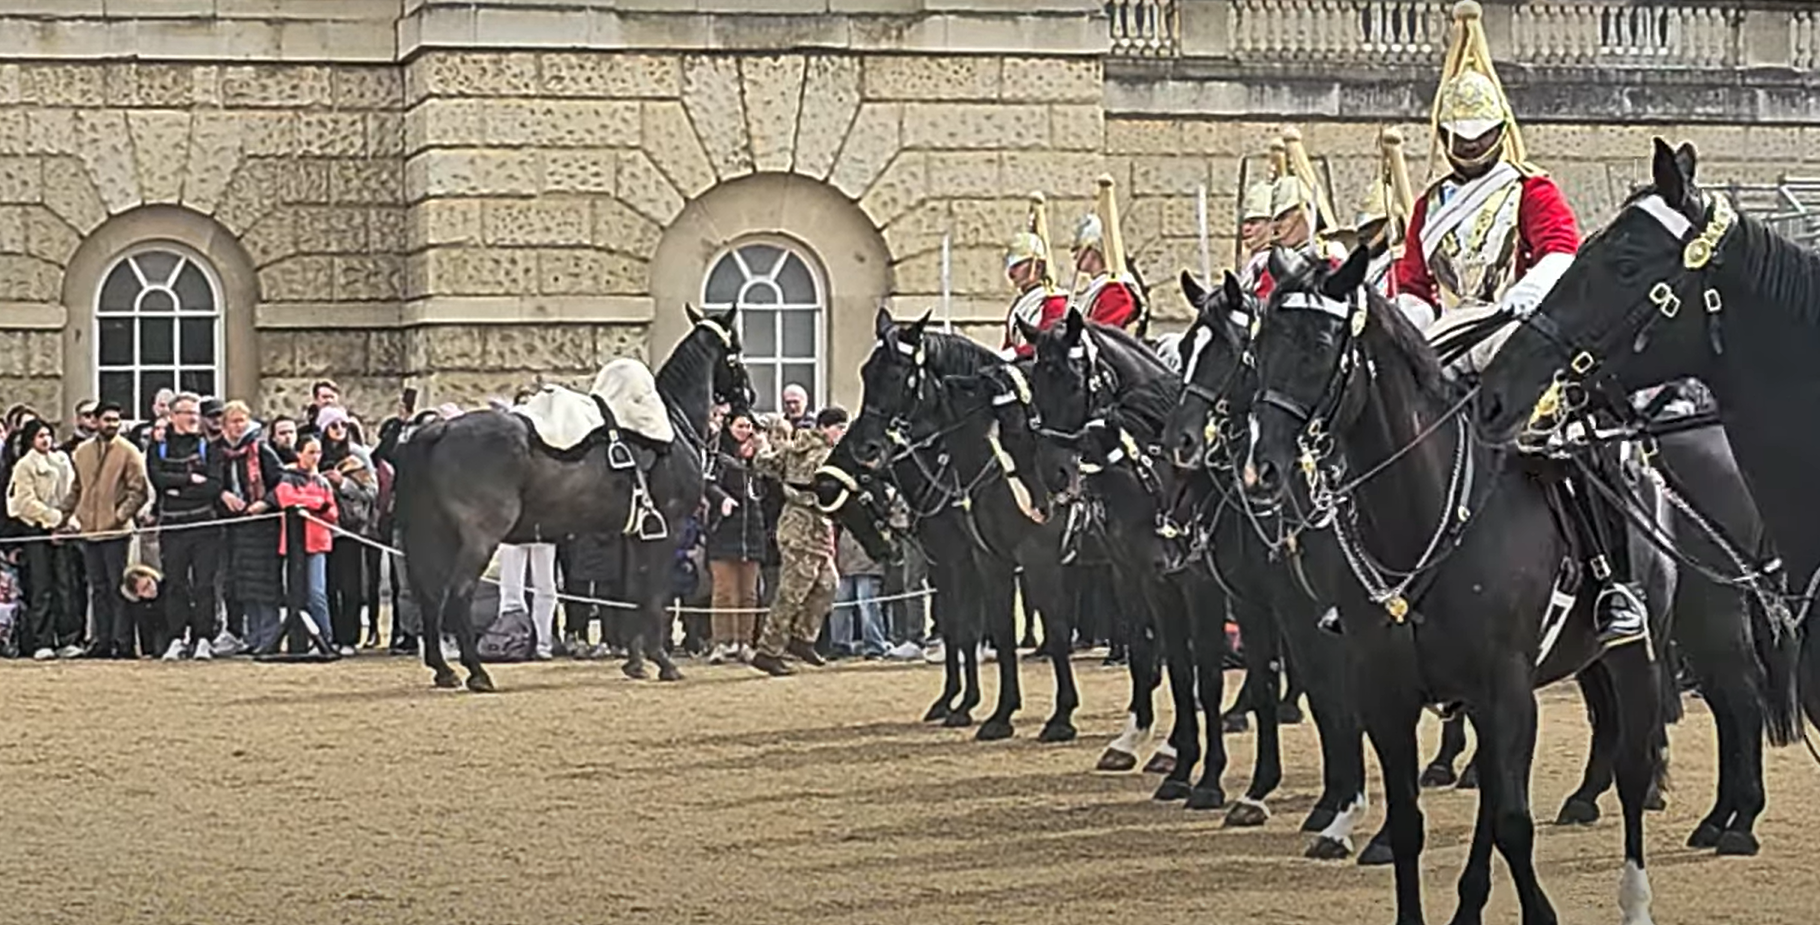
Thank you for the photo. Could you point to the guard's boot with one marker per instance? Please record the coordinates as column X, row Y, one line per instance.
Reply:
column 772, row 665
column 1620, row 614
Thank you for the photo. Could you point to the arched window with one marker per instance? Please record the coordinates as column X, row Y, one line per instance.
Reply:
column 158, row 326
column 781, row 302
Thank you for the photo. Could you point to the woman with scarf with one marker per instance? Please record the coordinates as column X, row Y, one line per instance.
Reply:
column 304, row 542
column 250, row 471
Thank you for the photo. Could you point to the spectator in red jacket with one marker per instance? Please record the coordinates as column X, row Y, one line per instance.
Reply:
column 306, row 541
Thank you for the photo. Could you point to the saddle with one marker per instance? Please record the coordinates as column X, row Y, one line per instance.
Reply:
column 624, row 412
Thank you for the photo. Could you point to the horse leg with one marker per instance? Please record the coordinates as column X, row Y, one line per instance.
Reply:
column 999, row 604
column 967, row 639
column 1173, row 606
column 1323, row 660
column 942, row 608
column 1639, row 693
column 657, row 618
column 433, row 658
column 1389, row 718
column 1058, row 630
column 1263, row 671
column 1140, row 717
column 1582, row 806
column 459, row 605
column 1507, row 741
column 1724, row 664
column 1209, row 637
column 1289, row 710
column 1236, row 718
column 1440, row 772
column 1475, row 877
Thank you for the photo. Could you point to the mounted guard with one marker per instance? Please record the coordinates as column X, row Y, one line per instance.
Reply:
column 1301, row 215
column 1039, row 301
column 1256, row 227
column 1486, row 242
column 1114, row 295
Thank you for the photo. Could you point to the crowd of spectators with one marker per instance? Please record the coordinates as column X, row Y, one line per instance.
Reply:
column 202, row 532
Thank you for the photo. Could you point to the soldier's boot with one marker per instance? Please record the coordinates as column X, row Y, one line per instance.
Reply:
column 805, row 650
column 772, row 665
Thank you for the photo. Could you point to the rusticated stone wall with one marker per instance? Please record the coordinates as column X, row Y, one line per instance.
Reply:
column 301, row 164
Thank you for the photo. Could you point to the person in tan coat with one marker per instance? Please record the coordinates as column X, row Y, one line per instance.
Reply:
column 110, row 490
column 37, row 495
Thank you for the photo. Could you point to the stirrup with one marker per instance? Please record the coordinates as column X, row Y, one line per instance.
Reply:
column 651, row 525
column 619, row 456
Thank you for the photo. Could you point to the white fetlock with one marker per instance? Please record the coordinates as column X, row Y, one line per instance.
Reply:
column 1166, row 750
column 1634, row 895
column 1130, row 737
column 1346, row 821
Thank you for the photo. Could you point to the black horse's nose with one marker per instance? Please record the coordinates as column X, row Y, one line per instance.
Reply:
column 868, row 452
column 1263, row 478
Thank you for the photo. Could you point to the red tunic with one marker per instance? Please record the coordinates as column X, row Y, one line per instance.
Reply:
column 1545, row 225
column 1114, row 305
column 1054, row 306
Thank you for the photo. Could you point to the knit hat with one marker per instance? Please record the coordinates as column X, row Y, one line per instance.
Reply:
column 331, row 414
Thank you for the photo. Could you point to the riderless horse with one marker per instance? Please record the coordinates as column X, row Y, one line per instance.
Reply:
column 481, row 479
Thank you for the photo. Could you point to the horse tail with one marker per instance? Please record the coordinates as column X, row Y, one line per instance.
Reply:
column 1782, row 663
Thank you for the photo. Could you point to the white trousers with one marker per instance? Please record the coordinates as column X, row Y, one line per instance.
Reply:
column 1475, row 360
column 541, row 557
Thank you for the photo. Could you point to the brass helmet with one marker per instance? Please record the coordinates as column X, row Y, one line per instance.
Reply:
column 1287, row 194
column 1025, row 245
column 1258, row 201
column 1090, row 234
column 1470, row 103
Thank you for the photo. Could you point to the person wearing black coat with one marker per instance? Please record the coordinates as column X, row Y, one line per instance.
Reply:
column 186, row 480
column 250, row 470
column 591, row 567
column 741, row 536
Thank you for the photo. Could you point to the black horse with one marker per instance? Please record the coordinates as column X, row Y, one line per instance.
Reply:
column 1102, row 396
column 468, row 484
column 1458, row 560
column 1269, row 589
column 924, row 419
column 1680, row 285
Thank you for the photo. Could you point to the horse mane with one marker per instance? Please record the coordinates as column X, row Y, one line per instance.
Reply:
column 1782, row 274
column 1148, row 400
column 956, row 354
column 681, row 379
column 1405, row 344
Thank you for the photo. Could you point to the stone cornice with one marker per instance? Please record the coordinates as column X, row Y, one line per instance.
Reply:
column 1214, row 88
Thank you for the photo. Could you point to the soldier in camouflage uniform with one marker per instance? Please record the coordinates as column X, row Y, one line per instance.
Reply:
column 805, row 537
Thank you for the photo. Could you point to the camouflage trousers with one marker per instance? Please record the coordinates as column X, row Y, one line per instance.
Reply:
column 805, row 592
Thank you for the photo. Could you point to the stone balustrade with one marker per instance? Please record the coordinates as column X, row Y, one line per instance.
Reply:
column 1545, row 33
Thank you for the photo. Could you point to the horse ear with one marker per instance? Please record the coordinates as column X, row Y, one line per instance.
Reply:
column 729, row 317
column 1191, row 287
column 1687, row 159
column 882, row 324
column 1028, row 331
column 1343, row 282
column 1671, row 183
column 1277, row 265
column 914, row 330
column 1074, row 325
column 1235, row 293
column 694, row 316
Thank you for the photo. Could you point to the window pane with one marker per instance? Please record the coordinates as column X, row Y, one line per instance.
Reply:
column 150, row 382
column 157, row 266
column 118, row 292
column 724, row 282
column 117, row 344
column 157, row 300
column 799, row 334
column 802, row 374
column 759, row 293
column 764, row 383
column 761, row 258
column 193, row 290
column 118, row 387
column 758, row 333
column 155, row 341
column 200, row 381
column 798, row 285
column 197, row 342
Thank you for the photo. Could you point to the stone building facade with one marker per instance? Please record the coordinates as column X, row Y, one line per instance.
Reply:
column 468, row 196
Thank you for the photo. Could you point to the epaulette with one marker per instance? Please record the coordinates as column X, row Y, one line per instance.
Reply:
column 1528, row 170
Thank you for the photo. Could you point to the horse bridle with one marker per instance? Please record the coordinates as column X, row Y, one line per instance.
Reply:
column 1215, row 432
column 1661, row 303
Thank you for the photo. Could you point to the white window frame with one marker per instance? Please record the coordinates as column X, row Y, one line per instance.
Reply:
column 177, row 366
column 777, row 311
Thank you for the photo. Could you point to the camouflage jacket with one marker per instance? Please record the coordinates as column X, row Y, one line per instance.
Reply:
column 792, row 460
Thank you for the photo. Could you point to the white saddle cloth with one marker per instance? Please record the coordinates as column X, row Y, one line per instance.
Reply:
column 563, row 418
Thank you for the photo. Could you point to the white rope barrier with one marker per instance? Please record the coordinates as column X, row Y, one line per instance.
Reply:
column 136, row 530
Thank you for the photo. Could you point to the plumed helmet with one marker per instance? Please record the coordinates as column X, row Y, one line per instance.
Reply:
column 1257, row 202
column 1287, row 194
column 1090, row 234
column 1026, row 245
column 1471, row 105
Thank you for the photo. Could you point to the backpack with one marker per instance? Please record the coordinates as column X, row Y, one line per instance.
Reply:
column 511, row 638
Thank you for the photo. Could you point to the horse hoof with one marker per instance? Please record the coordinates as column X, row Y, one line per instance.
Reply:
column 1469, row 778
column 993, row 730
column 1578, row 812
column 1288, row 714
column 1056, row 732
column 1318, row 819
column 1160, row 763
column 1235, row 723
column 1324, row 848
column 634, row 670
column 1736, row 844
column 1705, row 837
column 1376, row 854
column 1206, row 798
column 447, row 680
column 1439, row 775
column 1170, row 791
column 480, row 683
column 1247, row 814
column 1115, row 760
column 958, row 719
column 936, row 713
column 669, row 673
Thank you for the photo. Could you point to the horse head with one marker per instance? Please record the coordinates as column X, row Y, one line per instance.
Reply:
column 1306, row 350
column 895, row 382
column 1002, row 394
column 719, row 333
column 1065, row 400
column 859, row 499
column 1216, row 379
column 1613, row 319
